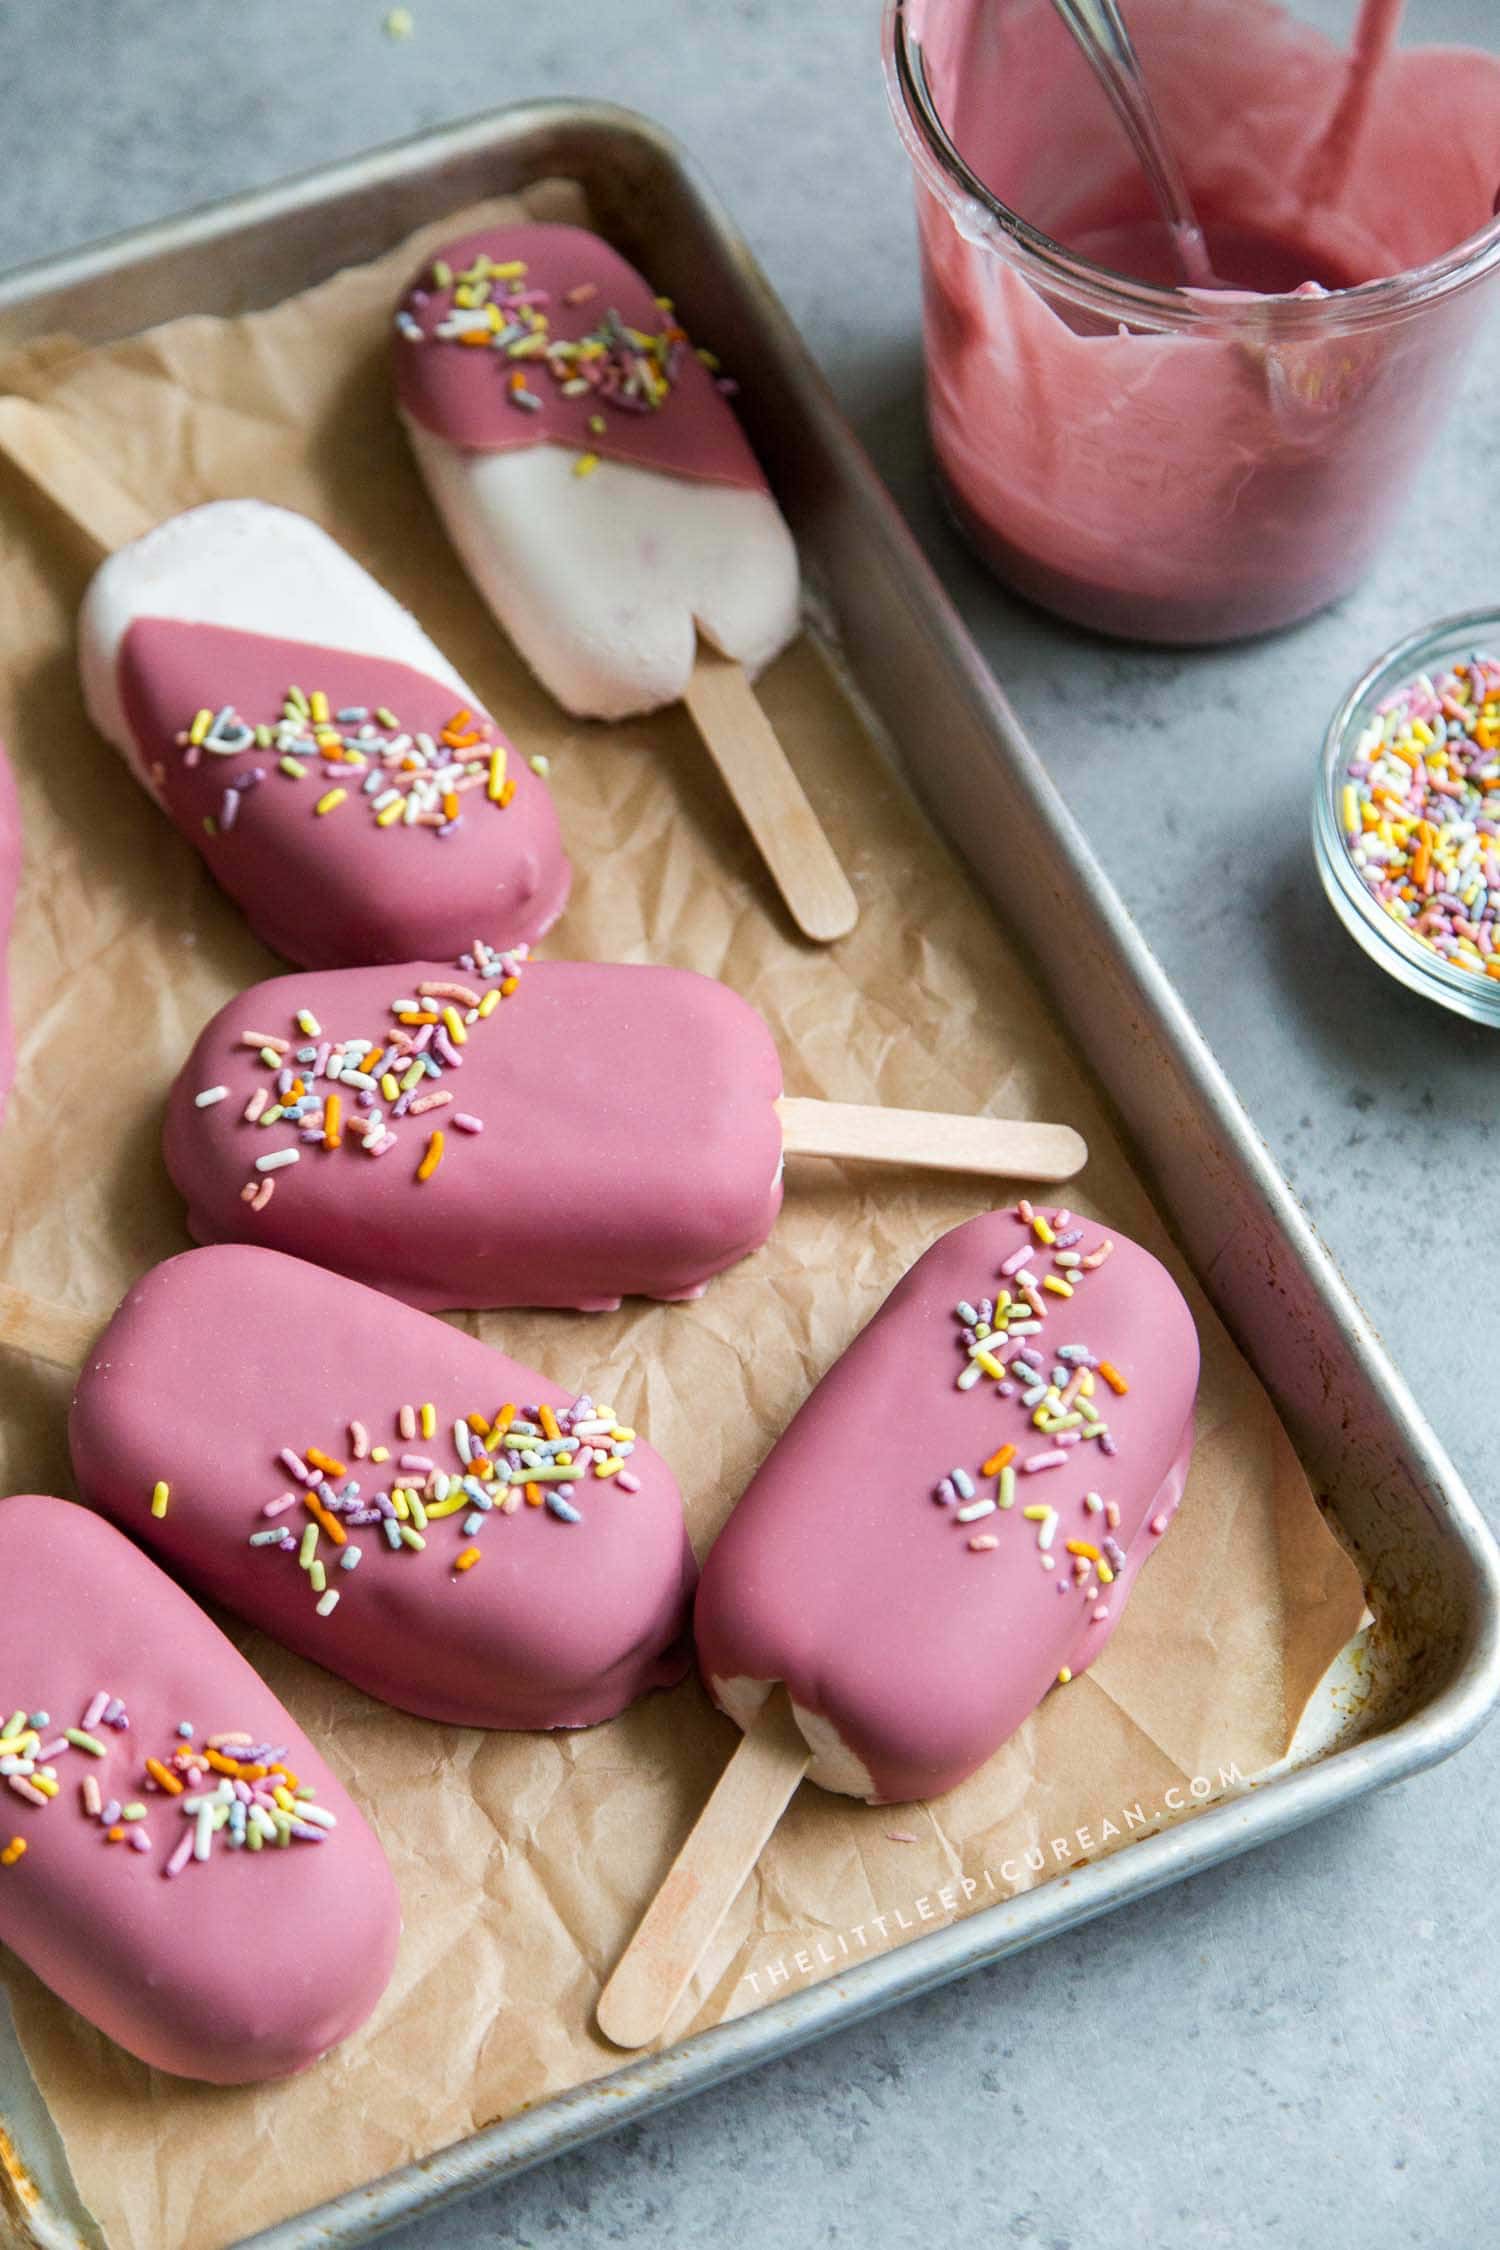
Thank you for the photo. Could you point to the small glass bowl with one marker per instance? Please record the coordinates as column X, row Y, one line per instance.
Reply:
column 1465, row 992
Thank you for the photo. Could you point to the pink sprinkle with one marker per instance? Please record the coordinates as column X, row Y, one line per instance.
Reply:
column 47, row 1751
column 1053, row 1460
column 435, row 1100
column 627, row 1482
column 295, row 1466
column 279, row 1507
column 180, row 1857
column 377, row 1144
column 359, row 1440
column 1097, row 1257
column 254, row 1106
column 1060, row 1220
column 1112, row 1514
column 459, row 992
column 466, row 1123
column 264, row 1193
column 92, row 1801
column 1101, row 1613
column 1158, row 1525
column 98, row 1705
column 1016, row 1260
column 982, row 1544
column 418, row 1462
column 1024, row 1211
column 258, row 1039
column 23, row 1788
column 901, row 1836
column 140, row 1841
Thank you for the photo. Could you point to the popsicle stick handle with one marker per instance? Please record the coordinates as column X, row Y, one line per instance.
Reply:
column 47, row 454
column 772, row 803
column 44, row 1331
column 706, row 1877
column 1000, row 1148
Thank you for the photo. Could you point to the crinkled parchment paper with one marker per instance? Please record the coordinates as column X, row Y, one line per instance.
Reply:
column 524, row 1860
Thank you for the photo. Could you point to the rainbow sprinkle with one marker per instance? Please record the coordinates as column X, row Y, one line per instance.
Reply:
column 1058, row 1388
column 1419, row 809
column 483, row 1465
column 492, row 307
column 328, row 1094
column 404, row 779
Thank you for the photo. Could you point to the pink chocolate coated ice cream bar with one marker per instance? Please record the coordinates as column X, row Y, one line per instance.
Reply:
column 500, row 1132
column 339, row 779
column 591, row 471
column 176, row 1861
column 953, row 1521
column 451, row 1532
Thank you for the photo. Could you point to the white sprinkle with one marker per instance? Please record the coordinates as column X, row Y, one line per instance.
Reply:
column 329, row 1602
column 209, row 1096
column 277, row 1158
column 974, row 1511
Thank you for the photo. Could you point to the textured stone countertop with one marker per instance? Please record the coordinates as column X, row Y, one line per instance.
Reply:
column 1295, row 2035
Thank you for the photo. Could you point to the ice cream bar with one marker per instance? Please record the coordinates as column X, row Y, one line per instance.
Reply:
column 10, row 876
column 510, row 1132
column 453, row 1533
column 294, row 721
column 589, row 467
column 954, row 1520
column 176, row 1860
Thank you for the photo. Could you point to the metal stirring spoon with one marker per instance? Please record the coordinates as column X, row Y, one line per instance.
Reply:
column 1099, row 29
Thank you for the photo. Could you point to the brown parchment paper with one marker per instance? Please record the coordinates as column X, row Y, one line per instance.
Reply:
column 524, row 1860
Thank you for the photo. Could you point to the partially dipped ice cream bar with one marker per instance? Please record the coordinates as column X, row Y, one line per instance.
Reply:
column 949, row 1527
column 294, row 721
column 451, row 1532
column 978, row 1481
column 513, row 1132
column 593, row 478
column 607, row 505
column 176, row 1860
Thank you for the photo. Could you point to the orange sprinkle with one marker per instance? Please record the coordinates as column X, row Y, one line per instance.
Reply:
column 507, row 791
column 325, row 1521
column 508, row 984
column 467, row 1559
column 998, row 1461
column 479, row 1425
column 333, row 1131
column 1083, row 1547
column 450, row 806
column 548, row 1421
column 433, row 1157
column 1114, row 1378
column 163, row 1777
column 115, row 1836
column 533, row 1495
column 507, row 1413
column 14, row 1850
column 475, row 336
column 326, row 1462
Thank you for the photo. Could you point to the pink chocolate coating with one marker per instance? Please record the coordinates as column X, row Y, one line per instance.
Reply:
column 462, row 393
column 630, row 1146
column 839, row 1573
column 245, row 1966
column 337, row 889
column 10, row 876
column 221, row 1358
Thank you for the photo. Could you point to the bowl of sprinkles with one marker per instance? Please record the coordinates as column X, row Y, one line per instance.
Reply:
column 1406, row 826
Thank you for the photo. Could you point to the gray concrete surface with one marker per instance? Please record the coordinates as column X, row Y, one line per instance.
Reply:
column 1297, row 2048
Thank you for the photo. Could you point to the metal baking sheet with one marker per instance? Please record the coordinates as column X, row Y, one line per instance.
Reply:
column 1431, row 1566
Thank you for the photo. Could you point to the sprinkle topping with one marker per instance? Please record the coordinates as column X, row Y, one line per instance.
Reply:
column 325, row 1095
column 486, row 1464
column 402, row 779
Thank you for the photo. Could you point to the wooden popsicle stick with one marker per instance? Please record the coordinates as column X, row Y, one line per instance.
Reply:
column 1002, row 1148
column 772, row 802
column 43, row 1331
column 706, row 1877
column 47, row 454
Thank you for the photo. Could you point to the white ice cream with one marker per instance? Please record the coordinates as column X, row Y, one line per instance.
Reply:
column 604, row 582
column 246, row 565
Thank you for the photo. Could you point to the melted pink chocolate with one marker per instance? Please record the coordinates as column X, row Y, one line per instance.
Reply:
column 630, row 1143
column 839, row 1573
column 338, row 889
column 462, row 393
column 222, row 1357
column 10, row 876
column 245, row 1966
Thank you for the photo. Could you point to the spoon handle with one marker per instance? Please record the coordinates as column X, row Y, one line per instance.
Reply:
column 1100, row 31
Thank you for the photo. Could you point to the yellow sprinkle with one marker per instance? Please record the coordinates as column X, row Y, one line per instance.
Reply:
column 990, row 1364
column 1036, row 1514
column 455, row 1502
column 389, row 1086
column 1041, row 1230
column 160, row 1495
column 1064, row 1676
column 467, row 1559
column 391, row 815
column 621, row 1435
column 380, row 1453
column 1058, row 1287
column 608, row 1468
column 330, row 800
column 454, row 1026
column 489, row 1003
column 433, row 1157
column 497, row 772
column 199, row 728
column 1106, row 1575
column 586, row 464
column 428, row 1420
column 318, row 704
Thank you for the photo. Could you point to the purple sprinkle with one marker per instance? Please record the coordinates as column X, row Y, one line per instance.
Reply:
column 417, row 1461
